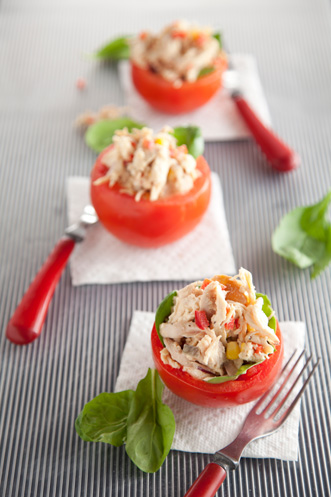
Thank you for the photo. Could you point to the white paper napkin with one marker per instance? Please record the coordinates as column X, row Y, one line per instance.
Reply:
column 206, row 430
column 102, row 258
column 219, row 119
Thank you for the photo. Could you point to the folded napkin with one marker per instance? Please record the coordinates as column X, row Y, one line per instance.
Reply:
column 219, row 119
column 200, row 429
column 102, row 258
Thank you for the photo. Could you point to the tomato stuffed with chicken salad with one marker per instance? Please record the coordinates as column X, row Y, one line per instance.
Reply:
column 178, row 69
column 148, row 191
column 217, row 342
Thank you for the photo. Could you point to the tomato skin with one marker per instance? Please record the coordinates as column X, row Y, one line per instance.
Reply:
column 146, row 223
column 162, row 95
column 246, row 388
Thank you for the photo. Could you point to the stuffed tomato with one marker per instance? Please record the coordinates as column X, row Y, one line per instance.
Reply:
column 179, row 69
column 217, row 343
column 147, row 191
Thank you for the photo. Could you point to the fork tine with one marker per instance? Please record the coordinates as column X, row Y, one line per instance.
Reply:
column 299, row 394
column 264, row 396
column 292, row 387
column 276, row 395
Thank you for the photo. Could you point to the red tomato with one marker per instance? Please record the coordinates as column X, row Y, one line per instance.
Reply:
column 162, row 95
column 146, row 223
column 246, row 388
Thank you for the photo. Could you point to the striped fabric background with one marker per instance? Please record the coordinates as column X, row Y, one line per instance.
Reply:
column 43, row 386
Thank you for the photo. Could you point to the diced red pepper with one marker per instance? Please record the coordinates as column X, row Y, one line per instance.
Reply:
column 205, row 283
column 148, row 144
column 81, row 84
column 236, row 323
column 258, row 348
column 230, row 325
column 179, row 34
column 143, row 35
column 130, row 159
column 201, row 320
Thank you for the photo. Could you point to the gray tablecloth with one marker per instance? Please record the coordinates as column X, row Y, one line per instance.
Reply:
column 43, row 386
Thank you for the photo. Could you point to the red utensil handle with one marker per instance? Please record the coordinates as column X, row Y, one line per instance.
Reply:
column 208, row 482
column 281, row 156
column 27, row 321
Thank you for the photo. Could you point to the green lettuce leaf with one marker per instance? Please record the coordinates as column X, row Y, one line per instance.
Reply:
column 304, row 236
column 137, row 418
column 116, row 49
column 218, row 37
column 240, row 371
column 163, row 311
column 151, row 425
column 190, row 136
column 100, row 134
column 205, row 71
column 104, row 419
column 268, row 310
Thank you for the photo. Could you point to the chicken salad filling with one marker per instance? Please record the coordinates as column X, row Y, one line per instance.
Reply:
column 149, row 165
column 217, row 328
column 179, row 53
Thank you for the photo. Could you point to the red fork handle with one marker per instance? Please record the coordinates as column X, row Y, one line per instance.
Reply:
column 208, row 482
column 281, row 156
column 27, row 321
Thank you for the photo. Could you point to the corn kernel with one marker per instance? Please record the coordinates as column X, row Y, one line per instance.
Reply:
column 159, row 141
column 249, row 328
column 232, row 350
column 195, row 34
column 268, row 349
column 242, row 346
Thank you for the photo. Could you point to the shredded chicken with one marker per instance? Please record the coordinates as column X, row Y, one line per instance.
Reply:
column 178, row 53
column 230, row 334
column 144, row 164
column 83, row 121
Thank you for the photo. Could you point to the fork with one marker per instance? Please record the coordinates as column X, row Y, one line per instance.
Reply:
column 280, row 156
column 27, row 321
column 261, row 421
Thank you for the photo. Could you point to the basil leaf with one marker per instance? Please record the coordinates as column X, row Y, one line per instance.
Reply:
column 205, row 71
column 190, row 136
column 151, row 425
column 268, row 310
column 137, row 418
column 218, row 37
column 104, row 419
column 304, row 236
column 240, row 371
column 117, row 49
column 163, row 311
column 100, row 134
column 209, row 69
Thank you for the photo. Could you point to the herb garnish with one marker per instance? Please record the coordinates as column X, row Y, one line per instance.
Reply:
column 304, row 236
column 163, row 311
column 137, row 418
column 100, row 134
column 190, row 136
column 116, row 49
